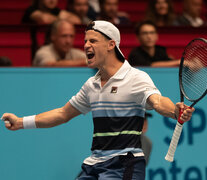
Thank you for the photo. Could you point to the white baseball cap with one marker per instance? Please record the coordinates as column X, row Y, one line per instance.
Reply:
column 109, row 30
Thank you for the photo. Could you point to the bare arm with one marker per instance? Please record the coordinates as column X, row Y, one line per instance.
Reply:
column 44, row 120
column 71, row 17
column 42, row 17
column 172, row 63
column 165, row 107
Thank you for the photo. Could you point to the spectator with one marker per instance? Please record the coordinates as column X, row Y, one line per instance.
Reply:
column 5, row 61
column 191, row 14
column 80, row 8
column 94, row 9
column 60, row 51
column 160, row 12
column 109, row 12
column 95, row 5
column 148, row 53
column 46, row 12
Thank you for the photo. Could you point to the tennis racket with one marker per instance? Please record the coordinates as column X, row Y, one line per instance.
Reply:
column 192, row 83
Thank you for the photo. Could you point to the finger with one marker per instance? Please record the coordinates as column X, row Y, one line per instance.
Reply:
column 7, row 124
column 5, row 116
column 180, row 105
column 186, row 116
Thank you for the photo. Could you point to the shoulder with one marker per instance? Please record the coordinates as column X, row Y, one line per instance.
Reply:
column 181, row 20
column 77, row 53
column 136, row 50
column 76, row 50
column 138, row 75
column 44, row 54
column 27, row 14
column 46, row 49
column 160, row 48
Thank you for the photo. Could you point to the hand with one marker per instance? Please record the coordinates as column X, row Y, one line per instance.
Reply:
column 187, row 112
column 12, row 122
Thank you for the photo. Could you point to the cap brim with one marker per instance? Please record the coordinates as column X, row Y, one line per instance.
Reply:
column 120, row 53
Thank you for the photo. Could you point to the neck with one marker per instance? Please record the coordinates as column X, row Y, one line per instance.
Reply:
column 61, row 54
column 149, row 50
column 109, row 69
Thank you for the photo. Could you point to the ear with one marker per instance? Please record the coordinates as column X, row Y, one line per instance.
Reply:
column 111, row 45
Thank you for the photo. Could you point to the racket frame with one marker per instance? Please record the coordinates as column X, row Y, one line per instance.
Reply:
column 182, row 92
column 178, row 129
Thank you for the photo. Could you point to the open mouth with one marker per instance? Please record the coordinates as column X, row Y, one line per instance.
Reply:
column 90, row 55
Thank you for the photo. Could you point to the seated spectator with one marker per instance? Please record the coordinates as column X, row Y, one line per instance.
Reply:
column 95, row 5
column 60, row 52
column 109, row 12
column 191, row 14
column 94, row 9
column 5, row 61
column 160, row 12
column 46, row 12
column 80, row 8
column 148, row 53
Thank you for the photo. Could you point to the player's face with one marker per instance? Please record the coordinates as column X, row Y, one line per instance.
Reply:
column 50, row 3
column 111, row 7
column 96, row 49
column 147, row 36
column 81, row 7
column 64, row 37
column 161, row 7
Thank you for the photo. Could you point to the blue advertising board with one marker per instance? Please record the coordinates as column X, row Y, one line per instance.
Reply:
column 57, row 153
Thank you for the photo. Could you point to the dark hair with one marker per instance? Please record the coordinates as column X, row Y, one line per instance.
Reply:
column 118, row 54
column 39, row 4
column 70, row 5
column 5, row 61
column 142, row 23
column 151, row 13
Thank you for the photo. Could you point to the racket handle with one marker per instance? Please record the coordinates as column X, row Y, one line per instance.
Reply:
column 174, row 141
column 180, row 113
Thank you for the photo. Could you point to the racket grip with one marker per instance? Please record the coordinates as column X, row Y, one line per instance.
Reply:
column 180, row 113
column 174, row 141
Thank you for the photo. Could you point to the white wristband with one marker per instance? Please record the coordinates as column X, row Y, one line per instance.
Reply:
column 29, row 122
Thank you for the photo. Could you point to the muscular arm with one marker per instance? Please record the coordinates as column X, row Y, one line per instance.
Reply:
column 162, row 105
column 44, row 120
column 165, row 107
column 56, row 117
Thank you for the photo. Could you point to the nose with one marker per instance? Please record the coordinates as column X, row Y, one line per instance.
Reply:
column 87, row 45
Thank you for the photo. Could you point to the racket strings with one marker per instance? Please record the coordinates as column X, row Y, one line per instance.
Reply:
column 194, row 73
column 194, row 89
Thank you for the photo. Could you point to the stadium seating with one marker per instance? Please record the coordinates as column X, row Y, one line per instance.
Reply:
column 16, row 42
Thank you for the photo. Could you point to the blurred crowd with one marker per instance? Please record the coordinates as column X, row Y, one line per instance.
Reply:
column 59, row 50
column 160, row 12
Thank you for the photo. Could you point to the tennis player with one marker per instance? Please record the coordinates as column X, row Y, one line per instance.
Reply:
column 118, row 96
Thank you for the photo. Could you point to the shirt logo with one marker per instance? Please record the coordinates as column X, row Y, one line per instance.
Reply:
column 114, row 89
